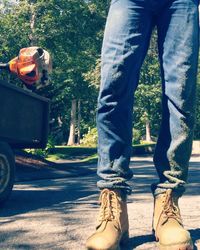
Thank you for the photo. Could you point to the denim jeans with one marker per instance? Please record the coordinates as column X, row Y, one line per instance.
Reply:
column 126, row 41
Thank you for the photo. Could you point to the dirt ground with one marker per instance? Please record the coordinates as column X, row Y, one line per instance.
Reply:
column 28, row 160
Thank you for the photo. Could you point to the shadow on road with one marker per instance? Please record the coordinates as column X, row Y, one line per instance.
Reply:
column 195, row 234
column 61, row 195
column 138, row 240
column 40, row 194
column 143, row 239
column 47, row 194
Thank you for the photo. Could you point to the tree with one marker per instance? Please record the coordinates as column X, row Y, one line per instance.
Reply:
column 147, row 108
column 71, row 139
column 72, row 31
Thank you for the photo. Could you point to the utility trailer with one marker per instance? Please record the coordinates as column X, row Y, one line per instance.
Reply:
column 24, row 119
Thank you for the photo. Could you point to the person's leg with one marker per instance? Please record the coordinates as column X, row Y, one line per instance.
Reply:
column 126, row 41
column 178, row 48
column 178, row 36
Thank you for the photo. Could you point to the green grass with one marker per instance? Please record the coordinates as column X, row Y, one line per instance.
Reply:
column 87, row 159
column 73, row 151
column 143, row 145
column 86, row 154
column 54, row 157
column 90, row 159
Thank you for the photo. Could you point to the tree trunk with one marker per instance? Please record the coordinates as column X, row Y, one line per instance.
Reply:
column 79, row 122
column 32, row 38
column 71, row 140
column 148, row 131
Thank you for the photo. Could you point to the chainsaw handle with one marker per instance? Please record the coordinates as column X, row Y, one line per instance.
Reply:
column 4, row 66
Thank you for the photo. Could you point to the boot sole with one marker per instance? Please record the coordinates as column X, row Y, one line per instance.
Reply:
column 185, row 246
column 123, row 241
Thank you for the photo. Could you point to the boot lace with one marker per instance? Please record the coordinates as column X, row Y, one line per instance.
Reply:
column 110, row 208
column 170, row 209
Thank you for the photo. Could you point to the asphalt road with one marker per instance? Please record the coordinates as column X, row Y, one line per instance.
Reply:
column 56, row 209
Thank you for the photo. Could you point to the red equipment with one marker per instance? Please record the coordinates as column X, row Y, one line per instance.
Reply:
column 32, row 66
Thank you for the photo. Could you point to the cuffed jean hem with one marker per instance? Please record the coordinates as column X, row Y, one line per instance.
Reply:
column 160, row 188
column 123, row 186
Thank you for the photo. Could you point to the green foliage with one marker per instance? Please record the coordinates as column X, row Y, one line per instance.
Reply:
column 43, row 152
column 147, row 107
column 90, row 139
column 72, row 31
column 136, row 136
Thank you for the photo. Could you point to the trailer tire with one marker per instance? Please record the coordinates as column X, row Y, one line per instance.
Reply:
column 7, row 171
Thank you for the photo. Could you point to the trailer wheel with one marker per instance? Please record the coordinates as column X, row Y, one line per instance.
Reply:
column 7, row 171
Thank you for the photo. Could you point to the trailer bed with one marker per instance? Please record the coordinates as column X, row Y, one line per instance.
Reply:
column 24, row 117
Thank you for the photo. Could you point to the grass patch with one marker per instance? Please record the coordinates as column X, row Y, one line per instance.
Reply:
column 55, row 157
column 143, row 145
column 90, row 159
column 73, row 151
column 89, row 154
column 85, row 159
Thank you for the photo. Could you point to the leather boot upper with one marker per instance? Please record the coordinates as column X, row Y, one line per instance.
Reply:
column 112, row 222
column 167, row 222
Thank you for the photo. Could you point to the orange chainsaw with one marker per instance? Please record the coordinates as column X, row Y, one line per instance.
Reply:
column 32, row 66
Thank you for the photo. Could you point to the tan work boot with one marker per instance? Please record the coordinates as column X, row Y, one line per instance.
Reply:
column 167, row 224
column 112, row 226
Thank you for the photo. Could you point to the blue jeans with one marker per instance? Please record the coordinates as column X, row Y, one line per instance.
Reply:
column 126, row 41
